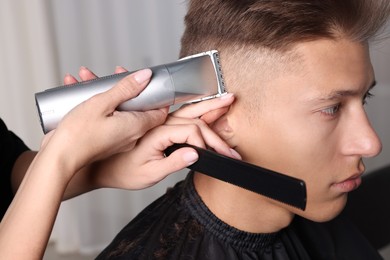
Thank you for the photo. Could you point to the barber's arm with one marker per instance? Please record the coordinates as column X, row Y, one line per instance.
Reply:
column 20, row 167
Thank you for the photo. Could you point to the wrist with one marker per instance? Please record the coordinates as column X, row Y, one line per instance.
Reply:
column 59, row 164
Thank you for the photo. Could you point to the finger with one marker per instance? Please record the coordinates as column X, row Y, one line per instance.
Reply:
column 127, row 88
column 120, row 69
column 201, row 108
column 213, row 115
column 69, row 79
column 138, row 123
column 86, row 74
column 160, row 138
column 211, row 138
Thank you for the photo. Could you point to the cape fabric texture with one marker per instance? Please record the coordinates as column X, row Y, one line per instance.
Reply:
column 179, row 225
column 10, row 148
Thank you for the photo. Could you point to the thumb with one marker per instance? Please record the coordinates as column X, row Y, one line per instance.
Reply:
column 176, row 161
column 127, row 88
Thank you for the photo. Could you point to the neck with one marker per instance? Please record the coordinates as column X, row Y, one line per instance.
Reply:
column 240, row 208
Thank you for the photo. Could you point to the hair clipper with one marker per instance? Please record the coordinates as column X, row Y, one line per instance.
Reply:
column 191, row 79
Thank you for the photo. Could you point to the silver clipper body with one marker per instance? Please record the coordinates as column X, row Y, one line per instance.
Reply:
column 190, row 79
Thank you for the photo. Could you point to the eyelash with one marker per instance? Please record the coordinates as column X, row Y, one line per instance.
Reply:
column 333, row 110
column 368, row 95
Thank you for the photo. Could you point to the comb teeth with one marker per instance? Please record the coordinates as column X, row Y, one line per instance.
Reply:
column 274, row 185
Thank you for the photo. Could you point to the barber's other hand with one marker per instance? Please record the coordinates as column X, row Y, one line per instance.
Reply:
column 146, row 164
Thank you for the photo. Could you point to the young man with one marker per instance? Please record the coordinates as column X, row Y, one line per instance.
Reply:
column 301, row 73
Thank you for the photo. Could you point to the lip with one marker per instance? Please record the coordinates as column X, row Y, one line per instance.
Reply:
column 348, row 185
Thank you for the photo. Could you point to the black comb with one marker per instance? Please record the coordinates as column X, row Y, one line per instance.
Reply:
column 271, row 184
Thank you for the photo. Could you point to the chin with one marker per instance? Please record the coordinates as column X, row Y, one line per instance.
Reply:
column 324, row 213
column 325, row 217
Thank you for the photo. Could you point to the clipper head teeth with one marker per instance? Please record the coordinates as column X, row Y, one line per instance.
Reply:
column 218, row 71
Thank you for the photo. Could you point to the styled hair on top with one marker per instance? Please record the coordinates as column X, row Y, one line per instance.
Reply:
column 277, row 25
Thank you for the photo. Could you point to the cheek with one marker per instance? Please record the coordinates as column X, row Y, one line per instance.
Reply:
column 308, row 153
column 294, row 148
column 313, row 157
column 288, row 146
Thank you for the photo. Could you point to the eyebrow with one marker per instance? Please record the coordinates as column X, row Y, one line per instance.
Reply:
column 344, row 93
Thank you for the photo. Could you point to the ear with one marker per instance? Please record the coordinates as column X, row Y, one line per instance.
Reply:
column 222, row 127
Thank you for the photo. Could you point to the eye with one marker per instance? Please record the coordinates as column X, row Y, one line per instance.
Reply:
column 368, row 95
column 331, row 111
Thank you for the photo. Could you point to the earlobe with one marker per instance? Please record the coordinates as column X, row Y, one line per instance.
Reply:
column 224, row 130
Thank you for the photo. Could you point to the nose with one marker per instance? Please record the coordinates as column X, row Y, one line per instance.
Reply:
column 362, row 138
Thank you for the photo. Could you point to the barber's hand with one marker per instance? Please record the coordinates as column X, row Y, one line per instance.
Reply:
column 146, row 164
column 94, row 130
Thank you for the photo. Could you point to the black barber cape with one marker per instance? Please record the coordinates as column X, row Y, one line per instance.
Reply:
column 178, row 225
column 10, row 148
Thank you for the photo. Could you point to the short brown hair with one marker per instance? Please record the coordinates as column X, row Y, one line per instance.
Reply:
column 278, row 24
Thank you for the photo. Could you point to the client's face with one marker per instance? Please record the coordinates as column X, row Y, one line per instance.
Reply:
column 313, row 125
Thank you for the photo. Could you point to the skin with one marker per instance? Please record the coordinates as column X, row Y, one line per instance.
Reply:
column 311, row 125
column 103, row 148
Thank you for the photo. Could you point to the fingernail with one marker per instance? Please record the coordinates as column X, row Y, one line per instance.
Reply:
column 83, row 68
column 235, row 154
column 227, row 96
column 142, row 75
column 190, row 157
